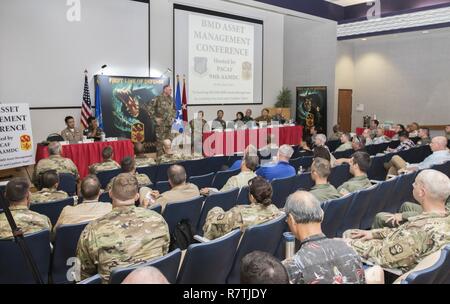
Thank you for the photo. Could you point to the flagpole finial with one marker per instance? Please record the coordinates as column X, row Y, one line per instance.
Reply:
column 85, row 71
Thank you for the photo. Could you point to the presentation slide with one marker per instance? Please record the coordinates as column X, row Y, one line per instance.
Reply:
column 220, row 56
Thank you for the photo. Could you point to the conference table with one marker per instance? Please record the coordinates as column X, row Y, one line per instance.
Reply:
column 86, row 154
column 388, row 133
column 230, row 141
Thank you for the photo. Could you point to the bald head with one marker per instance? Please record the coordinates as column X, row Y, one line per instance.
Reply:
column 304, row 207
column 145, row 275
column 439, row 143
column 432, row 185
column 176, row 175
column 90, row 187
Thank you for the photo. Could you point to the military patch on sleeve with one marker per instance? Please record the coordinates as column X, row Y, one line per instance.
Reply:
column 220, row 217
column 396, row 249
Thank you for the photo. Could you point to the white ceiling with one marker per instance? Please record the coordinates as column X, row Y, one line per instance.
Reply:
column 347, row 2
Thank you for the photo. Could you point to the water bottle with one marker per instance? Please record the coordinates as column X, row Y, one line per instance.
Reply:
column 289, row 244
column 300, row 170
column 103, row 136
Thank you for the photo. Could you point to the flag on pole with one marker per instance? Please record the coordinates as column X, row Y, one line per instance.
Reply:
column 178, row 124
column 98, row 104
column 86, row 111
column 184, row 100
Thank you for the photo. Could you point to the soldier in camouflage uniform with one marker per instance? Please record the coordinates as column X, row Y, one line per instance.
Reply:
column 140, row 158
column 18, row 195
column 107, row 164
column 71, row 134
column 169, row 155
column 218, row 222
column 49, row 192
column 359, row 165
column 129, row 166
column 404, row 247
column 196, row 127
column 320, row 260
column 126, row 236
column 162, row 110
column 323, row 191
column 54, row 162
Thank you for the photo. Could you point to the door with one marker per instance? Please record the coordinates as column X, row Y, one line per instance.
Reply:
column 345, row 109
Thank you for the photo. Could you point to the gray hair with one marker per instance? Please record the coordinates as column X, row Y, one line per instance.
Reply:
column 54, row 148
column 286, row 151
column 145, row 275
column 304, row 207
column 436, row 183
column 322, row 138
column 177, row 174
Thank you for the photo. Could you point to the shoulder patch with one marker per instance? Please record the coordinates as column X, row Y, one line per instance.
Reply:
column 396, row 249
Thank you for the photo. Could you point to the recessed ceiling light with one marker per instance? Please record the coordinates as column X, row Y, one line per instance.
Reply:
column 425, row 32
column 363, row 39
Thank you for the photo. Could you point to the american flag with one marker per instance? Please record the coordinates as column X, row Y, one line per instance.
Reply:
column 86, row 110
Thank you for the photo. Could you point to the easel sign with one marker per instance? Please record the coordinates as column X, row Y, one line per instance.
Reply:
column 16, row 137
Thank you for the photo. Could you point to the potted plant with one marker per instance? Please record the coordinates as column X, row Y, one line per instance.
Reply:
column 284, row 101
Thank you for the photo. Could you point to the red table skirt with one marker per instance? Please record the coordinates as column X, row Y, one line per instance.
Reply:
column 230, row 142
column 84, row 155
column 388, row 133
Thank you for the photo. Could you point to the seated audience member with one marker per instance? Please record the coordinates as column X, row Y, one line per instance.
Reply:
column 359, row 165
column 278, row 117
column 248, row 167
column 270, row 149
column 367, row 135
column 140, row 158
column 434, row 186
column 424, row 134
column 264, row 118
column 180, row 190
column 107, row 164
column 320, row 260
column 405, row 143
column 373, row 127
column 447, row 132
column 380, row 138
column 126, row 236
column 414, row 130
column 145, row 275
column 169, row 156
column 337, row 133
column 49, row 192
column 93, row 130
column 259, row 267
column 90, row 209
column 346, row 143
column 218, row 122
column 248, row 116
column 251, row 150
column 281, row 168
column 220, row 222
column 397, row 129
column 404, row 247
column 54, row 162
column 129, row 166
column 17, row 193
column 358, row 145
column 324, row 153
column 71, row 134
column 323, row 190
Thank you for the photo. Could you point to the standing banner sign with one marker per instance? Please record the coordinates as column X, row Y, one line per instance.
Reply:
column 16, row 138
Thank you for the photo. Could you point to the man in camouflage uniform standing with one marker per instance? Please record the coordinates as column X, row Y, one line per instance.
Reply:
column 49, row 192
column 404, row 247
column 107, row 164
column 54, row 162
column 18, row 195
column 162, row 110
column 126, row 236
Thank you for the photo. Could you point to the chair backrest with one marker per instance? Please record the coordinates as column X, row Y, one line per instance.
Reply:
column 67, row 183
column 189, row 166
column 334, row 212
column 209, row 262
column 13, row 265
column 302, row 182
column 52, row 209
column 168, row 265
column 105, row 198
column 264, row 237
column 339, row 175
column 162, row 186
column 150, row 171
column 281, row 190
column 343, row 154
column 222, row 177
column 97, row 279
column 394, row 144
column 202, row 181
column 305, row 162
column 214, row 164
column 157, row 208
column 65, row 247
column 225, row 200
column 105, row 176
column 377, row 170
column 444, row 168
column 380, row 200
column 242, row 198
column 161, row 173
column 177, row 211
column 438, row 273
column 333, row 144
